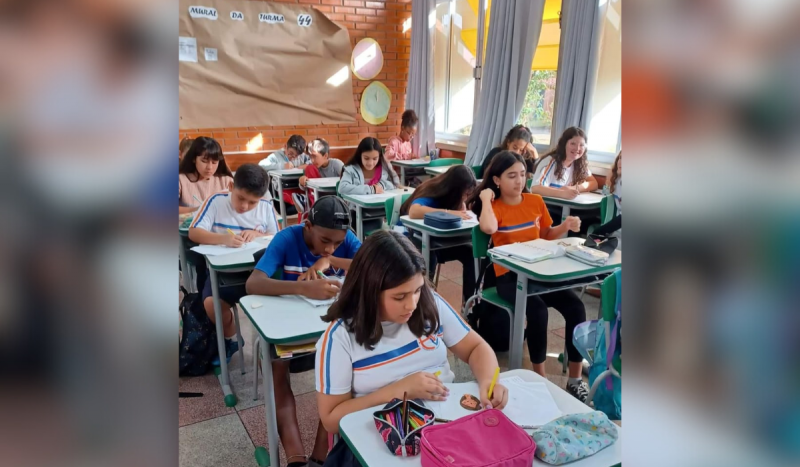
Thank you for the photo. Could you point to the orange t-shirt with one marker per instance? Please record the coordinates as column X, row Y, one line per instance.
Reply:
column 520, row 223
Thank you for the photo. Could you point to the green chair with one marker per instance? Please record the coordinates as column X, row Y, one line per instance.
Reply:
column 480, row 247
column 477, row 170
column 392, row 207
column 445, row 162
column 608, row 303
column 529, row 184
column 608, row 209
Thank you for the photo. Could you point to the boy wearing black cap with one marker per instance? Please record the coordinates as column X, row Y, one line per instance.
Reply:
column 323, row 245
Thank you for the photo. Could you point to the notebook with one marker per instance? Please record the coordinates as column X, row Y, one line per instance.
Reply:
column 530, row 252
column 587, row 255
column 529, row 405
column 217, row 250
column 288, row 351
column 314, row 302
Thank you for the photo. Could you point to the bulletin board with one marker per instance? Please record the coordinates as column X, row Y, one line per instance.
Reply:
column 245, row 63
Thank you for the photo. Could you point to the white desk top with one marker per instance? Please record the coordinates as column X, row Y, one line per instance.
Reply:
column 412, row 162
column 438, row 170
column 283, row 320
column 419, row 224
column 286, row 173
column 376, row 200
column 358, row 429
column 561, row 268
column 587, row 200
column 327, row 182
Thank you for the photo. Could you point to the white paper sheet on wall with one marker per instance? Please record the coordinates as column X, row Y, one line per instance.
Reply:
column 187, row 47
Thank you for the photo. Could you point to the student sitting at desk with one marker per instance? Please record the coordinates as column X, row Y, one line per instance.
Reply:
column 388, row 334
column 564, row 171
column 367, row 172
column 201, row 173
column 519, row 140
column 512, row 215
column 321, row 166
column 233, row 219
column 324, row 245
column 292, row 156
column 446, row 193
column 399, row 147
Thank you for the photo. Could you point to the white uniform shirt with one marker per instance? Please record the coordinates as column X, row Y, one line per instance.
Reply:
column 218, row 215
column 545, row 174
column 344, row 366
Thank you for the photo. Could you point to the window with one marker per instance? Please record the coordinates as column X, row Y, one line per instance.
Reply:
column 537, row 110
column 455, row 52
column 605, row 123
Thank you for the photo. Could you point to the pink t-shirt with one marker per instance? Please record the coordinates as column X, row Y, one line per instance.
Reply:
column 194, row 193
column 397, row 149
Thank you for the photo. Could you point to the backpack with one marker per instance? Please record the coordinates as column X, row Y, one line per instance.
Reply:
column 199, row 338
column 608, row 396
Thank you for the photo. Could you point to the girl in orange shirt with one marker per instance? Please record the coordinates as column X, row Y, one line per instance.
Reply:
column 510, row 214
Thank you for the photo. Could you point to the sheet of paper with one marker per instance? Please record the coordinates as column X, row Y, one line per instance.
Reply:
column 211, row 54
column 216, row 250
column 529, row 404
column 187, row 49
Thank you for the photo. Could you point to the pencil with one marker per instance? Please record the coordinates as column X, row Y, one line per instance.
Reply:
column 231, row 232
column 494, row 381
column 197, row 199
column 405, row 412
column 438, row 373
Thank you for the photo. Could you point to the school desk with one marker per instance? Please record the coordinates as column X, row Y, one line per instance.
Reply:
column 286, row 321
column 225, row 265
column 434, row 171
column 361, row 202
column 586, row 200
column 326, row 186
column 358, row 431
column 439, row 239
column 281, row 176
column 549, row 274
column 411, row 163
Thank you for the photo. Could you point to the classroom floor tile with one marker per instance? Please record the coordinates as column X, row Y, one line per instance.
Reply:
column 221, row 442
column 196, row 409
column 451, row 270
column 307, row 416
column 451, row 292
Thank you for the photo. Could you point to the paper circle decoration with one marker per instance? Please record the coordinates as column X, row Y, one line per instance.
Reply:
column 367, row 59
column 375, row 103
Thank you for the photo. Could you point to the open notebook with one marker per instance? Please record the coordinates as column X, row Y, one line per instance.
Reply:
column 326, row 303
column 530, row 252
column 587, row 255
column 529, row 404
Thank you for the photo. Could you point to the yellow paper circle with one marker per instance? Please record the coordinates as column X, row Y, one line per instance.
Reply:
column 367, row 59
column 375, row 103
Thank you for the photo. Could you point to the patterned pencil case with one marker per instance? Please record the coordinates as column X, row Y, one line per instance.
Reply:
column 403, row 441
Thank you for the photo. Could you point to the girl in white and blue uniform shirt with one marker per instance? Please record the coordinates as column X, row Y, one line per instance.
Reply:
column 388, row 337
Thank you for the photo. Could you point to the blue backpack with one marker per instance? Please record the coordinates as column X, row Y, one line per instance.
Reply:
column 199, row 339
column 607, row 364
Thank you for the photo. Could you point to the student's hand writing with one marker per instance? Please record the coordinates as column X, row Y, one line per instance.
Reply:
column 573, row 223
column 423, row 386
column 499, row 395
column 303, row 180
column 321, row 289
column 288, row 165
column 378, row 189
column 250, row 235
column 570, row 192
column 321, row 265
column 233, row 241
column 487, row 195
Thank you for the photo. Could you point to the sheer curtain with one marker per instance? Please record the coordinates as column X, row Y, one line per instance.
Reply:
column 513, row 35
column 419, row 93
column 581, row 29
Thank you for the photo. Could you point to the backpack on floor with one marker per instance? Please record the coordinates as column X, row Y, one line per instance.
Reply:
column 198, row 339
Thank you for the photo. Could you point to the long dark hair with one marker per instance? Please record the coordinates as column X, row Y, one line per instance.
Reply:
column 517, row 132
column 559, row 154
column 208, row 147
column 447, row 189
column 371, row 144
column 612, row 181
column 386, row 260
column 501, row 162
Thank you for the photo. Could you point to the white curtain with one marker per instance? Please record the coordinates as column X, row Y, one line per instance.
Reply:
column 419, row 93
column 513, row 35
column 581, row 30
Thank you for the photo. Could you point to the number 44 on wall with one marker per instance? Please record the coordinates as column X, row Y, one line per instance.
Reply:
column 304, row 20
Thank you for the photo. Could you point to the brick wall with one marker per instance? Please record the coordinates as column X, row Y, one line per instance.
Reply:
column 380, row 20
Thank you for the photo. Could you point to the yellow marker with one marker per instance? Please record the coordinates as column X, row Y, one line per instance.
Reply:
column 494, row 381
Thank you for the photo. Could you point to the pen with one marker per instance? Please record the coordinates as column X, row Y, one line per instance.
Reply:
column 321, row 275
column 197, row 199
column 494, row 381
